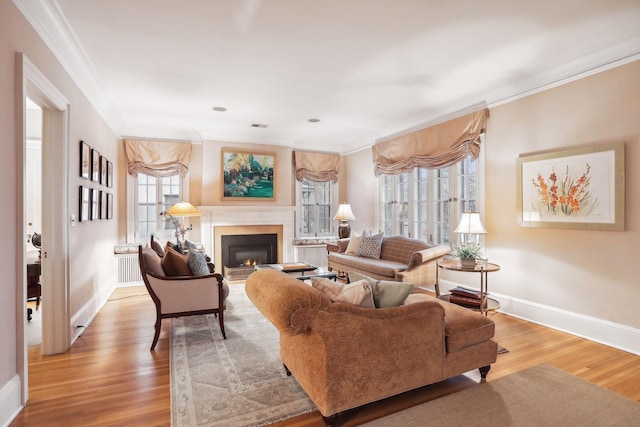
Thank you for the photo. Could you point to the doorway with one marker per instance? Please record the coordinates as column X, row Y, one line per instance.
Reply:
column 33, row 217
column 54, row 214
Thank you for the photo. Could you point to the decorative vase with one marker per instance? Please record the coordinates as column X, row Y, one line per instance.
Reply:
column 468, row 262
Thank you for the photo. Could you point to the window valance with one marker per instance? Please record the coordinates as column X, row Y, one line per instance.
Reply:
column 319, row 167
column 157, row 158
column 433, row 147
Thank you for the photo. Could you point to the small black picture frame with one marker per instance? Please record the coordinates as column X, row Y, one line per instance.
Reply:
column 85, row 160
column 103, row 170
column 109, row 206
column 84, row 202
column 95, row 203
column 95, row 165
column 103, row 204
column 109, row 174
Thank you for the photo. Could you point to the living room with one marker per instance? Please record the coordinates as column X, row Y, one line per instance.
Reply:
column 578, row 280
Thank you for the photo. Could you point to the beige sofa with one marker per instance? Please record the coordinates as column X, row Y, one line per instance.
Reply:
column 345, row 356
column 401, row 259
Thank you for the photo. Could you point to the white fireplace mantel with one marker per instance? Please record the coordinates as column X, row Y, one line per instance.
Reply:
column 216, row 216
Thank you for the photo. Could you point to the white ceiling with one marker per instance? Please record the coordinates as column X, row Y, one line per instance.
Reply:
column 366, row 68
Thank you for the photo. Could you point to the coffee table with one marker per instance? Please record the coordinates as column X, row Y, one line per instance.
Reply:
column 301, row 271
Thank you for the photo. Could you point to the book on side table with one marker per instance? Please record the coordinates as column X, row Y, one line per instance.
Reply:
column 467, row 297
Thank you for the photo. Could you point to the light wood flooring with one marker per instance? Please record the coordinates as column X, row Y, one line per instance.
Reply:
column 110, row 378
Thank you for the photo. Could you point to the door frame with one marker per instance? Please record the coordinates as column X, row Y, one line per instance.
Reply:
column 56, row 330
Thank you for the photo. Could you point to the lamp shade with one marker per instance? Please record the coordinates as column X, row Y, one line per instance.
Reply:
column 344, row 213
column 183, row 209
column 470, row 224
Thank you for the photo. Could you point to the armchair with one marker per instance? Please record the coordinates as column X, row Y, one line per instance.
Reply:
column 178, row 296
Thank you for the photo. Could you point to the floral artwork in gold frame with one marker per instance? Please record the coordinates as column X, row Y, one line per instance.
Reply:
column 580, row 187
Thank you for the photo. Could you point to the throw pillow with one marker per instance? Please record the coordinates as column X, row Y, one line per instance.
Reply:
column 175, row 264
column 354, row 241
column 391, row 294
column 197, row 263
column 188, row 244
column 386, row 293
column 358, row 293
column 157, row 247
column 370, row 246
column 354, row 276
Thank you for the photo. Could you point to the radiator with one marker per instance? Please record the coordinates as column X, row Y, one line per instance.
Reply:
column 311, row 254
column 128, row 269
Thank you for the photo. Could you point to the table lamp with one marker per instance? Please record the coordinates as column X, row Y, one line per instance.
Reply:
column 343, row 215
column 181, row 210
column 470, row 223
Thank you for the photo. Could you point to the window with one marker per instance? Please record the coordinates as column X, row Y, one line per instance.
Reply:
column 426, row 203
column 315, row 207
column 154, row 196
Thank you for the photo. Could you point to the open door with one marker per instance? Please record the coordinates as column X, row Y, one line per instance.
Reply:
column 56, row 330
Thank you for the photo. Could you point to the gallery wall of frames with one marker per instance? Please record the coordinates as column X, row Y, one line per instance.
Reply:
column 96, row 199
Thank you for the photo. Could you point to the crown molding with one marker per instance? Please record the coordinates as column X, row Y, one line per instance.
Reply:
column 46, row 17
column 536, row 81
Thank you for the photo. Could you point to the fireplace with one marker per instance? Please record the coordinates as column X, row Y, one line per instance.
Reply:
column 241, row 252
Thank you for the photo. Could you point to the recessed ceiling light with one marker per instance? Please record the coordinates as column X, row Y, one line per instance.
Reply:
column 314, row 120
column 259, row 125
column 219, row 109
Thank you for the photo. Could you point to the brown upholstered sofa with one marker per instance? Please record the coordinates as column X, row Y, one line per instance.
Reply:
column 345, row 356
column 401, row 259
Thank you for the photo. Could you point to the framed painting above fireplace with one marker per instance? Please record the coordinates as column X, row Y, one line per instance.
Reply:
column 248, row 175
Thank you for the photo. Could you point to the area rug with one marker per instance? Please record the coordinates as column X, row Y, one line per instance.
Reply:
column 239, row 381
column 538, row 396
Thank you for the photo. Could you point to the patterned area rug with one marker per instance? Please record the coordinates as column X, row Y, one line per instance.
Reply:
column 239, row 381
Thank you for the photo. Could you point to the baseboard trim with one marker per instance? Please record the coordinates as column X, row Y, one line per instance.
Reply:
column 612, row 334
column 81, row 320
column 10, row 401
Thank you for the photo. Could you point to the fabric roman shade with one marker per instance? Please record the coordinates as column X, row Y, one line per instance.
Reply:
column 157, row 158
column 433, row 147
column 319, row 167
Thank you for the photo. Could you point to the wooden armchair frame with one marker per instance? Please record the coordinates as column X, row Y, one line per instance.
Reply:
column 178, row 296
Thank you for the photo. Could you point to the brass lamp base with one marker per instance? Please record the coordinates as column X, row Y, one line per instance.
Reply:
column 344, row 230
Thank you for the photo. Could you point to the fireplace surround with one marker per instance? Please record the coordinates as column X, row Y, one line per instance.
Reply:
column 217, row 221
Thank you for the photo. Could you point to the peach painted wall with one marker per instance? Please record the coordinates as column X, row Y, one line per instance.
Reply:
column 359, row 188
column 588, row 272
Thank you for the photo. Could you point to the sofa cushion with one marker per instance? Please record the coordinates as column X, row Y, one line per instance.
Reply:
column 197, row 263
column 380, row 267
column 152, row 262
column 354, row 241
column 188, row 244
column 370, row 246
column 385, row 293
column 157, row 247
column 357, row 293
column 464, row 327
column 175, row 264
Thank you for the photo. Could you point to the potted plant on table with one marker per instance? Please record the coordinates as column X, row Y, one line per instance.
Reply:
column 468, row 254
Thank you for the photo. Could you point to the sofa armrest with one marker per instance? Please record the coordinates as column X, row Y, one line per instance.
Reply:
column 420, row 257
column 279, row 296
column 343, row 244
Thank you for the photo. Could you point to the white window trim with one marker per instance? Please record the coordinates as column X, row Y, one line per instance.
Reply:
column 132, row 202
column 334, row 207
column 480, row 202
